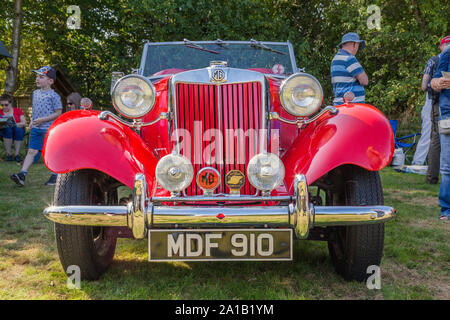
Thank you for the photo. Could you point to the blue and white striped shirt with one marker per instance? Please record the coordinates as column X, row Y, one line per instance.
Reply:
column 344, row 69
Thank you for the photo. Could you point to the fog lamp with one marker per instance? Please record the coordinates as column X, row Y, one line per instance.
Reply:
column 174, row 172
column 265, row 171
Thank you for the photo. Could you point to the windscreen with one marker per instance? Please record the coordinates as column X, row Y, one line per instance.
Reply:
column 274, row 59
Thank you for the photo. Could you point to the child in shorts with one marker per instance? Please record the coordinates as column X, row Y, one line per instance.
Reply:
column 47, row 107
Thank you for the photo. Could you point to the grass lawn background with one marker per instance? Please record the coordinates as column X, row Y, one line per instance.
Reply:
column 415, row 264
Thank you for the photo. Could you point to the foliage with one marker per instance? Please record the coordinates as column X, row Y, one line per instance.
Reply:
column 112, row 35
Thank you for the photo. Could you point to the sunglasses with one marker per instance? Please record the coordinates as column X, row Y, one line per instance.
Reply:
column 70, row 103
column 5, row 105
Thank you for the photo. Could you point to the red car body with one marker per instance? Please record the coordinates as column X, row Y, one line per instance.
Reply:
column 359, row 134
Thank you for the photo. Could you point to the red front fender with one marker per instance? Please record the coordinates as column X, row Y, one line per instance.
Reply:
column 359, row 134
column 80, row 140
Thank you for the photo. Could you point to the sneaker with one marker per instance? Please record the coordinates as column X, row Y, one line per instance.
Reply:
column 51, row 181
column 18, row 178
column 18, row 158
column 443, row 218
column 9, row 158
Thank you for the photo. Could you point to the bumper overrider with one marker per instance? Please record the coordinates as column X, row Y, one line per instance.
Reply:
column 295, row 212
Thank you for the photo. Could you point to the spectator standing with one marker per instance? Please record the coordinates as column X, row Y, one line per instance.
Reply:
column 14, row 132
column 73, row 101
column 442, row 84
column 434, row 152
column 347, row 74
column 46, row 108
column 423, row 145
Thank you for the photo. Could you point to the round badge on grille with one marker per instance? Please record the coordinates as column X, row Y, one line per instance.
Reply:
column 217, row 75
column 208, row 179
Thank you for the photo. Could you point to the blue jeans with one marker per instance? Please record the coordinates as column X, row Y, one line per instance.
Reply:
column 15, row 133
column 444, row 192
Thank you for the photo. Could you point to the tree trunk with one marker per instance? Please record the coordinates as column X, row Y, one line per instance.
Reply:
column 11, row 71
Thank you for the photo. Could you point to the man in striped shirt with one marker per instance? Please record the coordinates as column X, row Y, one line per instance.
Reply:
column 347, row 74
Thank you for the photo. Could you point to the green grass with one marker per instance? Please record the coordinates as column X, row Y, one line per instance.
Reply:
column 414, row 266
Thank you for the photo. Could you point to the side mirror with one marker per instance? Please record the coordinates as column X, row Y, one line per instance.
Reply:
column 115, row 76
column 348, row 97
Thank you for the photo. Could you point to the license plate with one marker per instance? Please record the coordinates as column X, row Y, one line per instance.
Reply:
column 220, row 245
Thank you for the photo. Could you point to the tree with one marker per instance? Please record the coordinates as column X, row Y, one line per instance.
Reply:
column 11, row 71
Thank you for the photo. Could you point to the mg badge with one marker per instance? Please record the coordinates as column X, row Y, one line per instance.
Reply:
column 235, row 180
column 208, row 179
column 218, row 75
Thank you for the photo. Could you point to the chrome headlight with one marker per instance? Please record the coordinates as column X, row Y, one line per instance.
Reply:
column 265, row 171
column 174, row 172
column 301, row 95
column 133, row 96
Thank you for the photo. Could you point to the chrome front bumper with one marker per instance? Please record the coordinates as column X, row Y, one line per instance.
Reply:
column 142, row 213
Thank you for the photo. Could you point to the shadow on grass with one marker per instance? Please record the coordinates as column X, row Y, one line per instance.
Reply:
column 310, row 271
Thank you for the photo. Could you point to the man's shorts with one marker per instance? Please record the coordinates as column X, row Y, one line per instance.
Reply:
column 15, row 133
column 37, row 138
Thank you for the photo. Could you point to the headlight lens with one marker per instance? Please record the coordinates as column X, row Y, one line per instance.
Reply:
column 174, row 172
column 301, row 95
column 133, row 96
column 265, row 171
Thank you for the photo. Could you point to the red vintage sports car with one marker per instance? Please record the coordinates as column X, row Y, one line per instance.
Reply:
column 220, row 152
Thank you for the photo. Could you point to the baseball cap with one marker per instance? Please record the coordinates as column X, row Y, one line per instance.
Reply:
column 47, row 71
column 445, row 40
column 352, row 37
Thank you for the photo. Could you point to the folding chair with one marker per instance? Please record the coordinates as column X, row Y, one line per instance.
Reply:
column 400, row 143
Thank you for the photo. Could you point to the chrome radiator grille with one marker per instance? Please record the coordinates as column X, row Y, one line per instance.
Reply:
column 218, row 126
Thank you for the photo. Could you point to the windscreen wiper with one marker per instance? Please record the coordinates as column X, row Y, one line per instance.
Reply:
column 190, row 44
column 255, row 43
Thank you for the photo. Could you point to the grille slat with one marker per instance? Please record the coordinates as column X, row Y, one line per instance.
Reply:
column 239, row 108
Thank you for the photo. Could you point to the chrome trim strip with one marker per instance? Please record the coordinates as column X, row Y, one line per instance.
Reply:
column 195, row 216
column 143, row 59
column 220, row 198
column 301, row 121
column 96, row 216
column 137, row 209
column 117, row 216
column 302, row 217
column 343, row 216
column 104, row 115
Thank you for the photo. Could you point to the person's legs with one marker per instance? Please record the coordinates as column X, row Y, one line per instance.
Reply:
column 423, row 144
column 18, row 138
column 7, row 141
column 36, row 142
column 29, row 159
column 444, row 192
column 434, row 153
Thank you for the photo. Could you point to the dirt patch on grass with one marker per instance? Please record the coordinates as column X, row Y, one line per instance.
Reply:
column 420, row 200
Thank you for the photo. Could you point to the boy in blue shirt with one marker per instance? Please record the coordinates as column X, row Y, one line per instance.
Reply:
column 46, row 108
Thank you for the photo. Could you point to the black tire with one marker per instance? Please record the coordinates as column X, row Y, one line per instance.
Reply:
column 89, row 248
column 355, row 248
